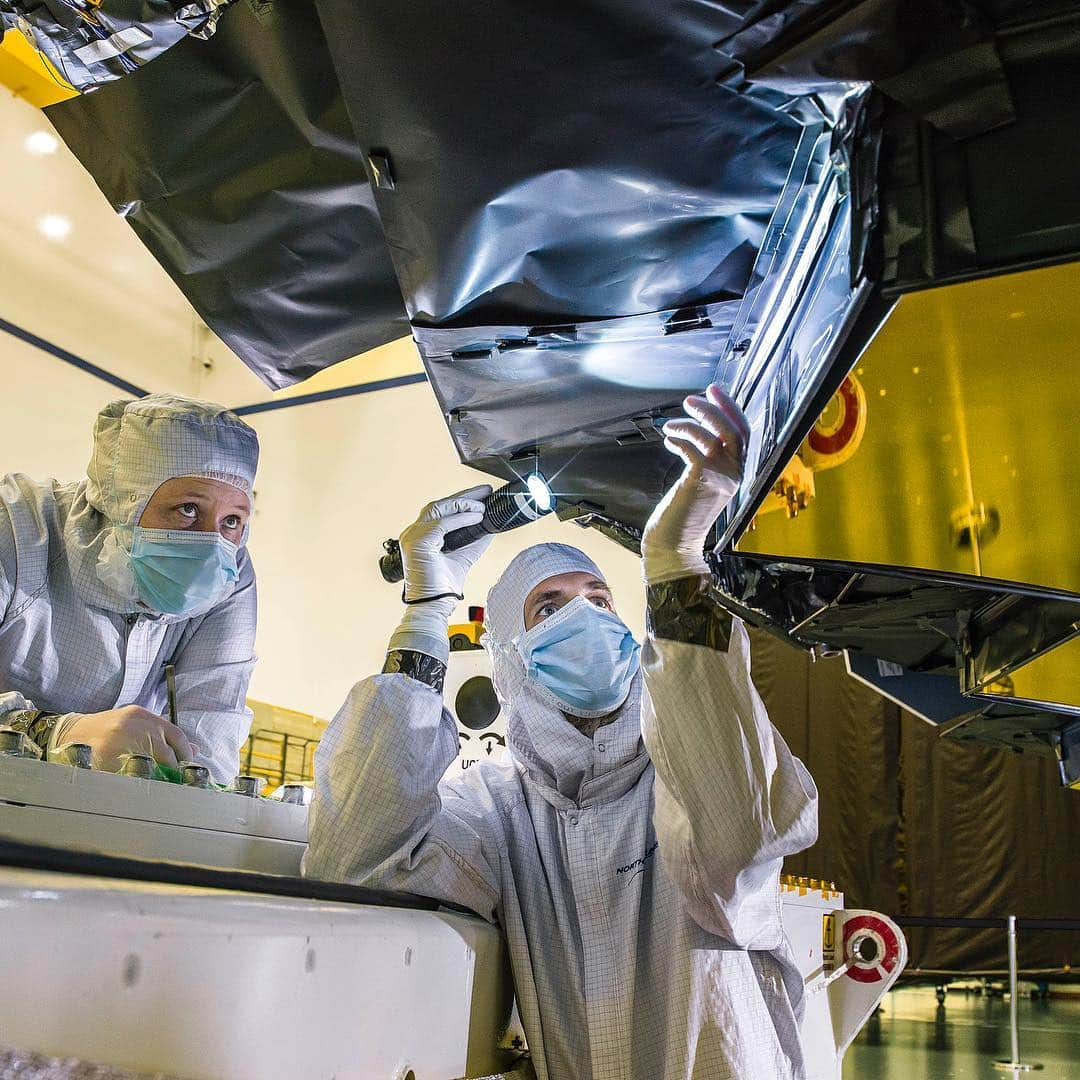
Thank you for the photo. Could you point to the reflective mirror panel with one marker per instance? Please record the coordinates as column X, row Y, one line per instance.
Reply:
column 1052, row 679
column 968, row 403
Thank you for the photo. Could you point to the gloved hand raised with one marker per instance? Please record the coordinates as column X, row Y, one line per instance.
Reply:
column 118, row 732
column 429, row 571
column 712, row 443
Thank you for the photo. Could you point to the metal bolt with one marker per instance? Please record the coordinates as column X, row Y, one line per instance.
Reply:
column 78, row 755
column 382, row 173
column 12, row 742
column 865, row 949
column 140, row 765
column 195, row 775
column 251, row 786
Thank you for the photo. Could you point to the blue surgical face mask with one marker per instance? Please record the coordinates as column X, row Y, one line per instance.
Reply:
column 583, row 656
column 179, row 572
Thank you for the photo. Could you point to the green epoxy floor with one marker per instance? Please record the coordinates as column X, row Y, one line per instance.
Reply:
column 912, row 1039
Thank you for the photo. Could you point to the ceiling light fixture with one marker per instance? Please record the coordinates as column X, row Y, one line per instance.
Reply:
column 41, row 143
column 54, row 226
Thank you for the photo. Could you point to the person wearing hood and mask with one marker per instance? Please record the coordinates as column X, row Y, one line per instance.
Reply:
column 106, row 581
column 631, row 846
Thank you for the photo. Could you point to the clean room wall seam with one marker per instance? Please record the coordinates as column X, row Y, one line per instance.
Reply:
column 70, row 358
column 29, row 338
column 329, row 395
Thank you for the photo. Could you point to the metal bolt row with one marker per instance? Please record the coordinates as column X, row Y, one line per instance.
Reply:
column 805, row 885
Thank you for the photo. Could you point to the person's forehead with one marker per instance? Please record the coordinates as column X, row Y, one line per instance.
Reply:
column 559, row 584
column 203, row 487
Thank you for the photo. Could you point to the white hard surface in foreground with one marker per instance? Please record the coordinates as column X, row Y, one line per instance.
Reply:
column 208, row 984
column 838, row 1002
column 88, row 810
column 195, row 981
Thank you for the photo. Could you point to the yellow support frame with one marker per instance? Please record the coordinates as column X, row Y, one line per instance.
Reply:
column 28, row 75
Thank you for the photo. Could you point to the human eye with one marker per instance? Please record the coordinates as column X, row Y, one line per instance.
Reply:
column 546, row 611
column 188, row 511
column 232, row 522
column 601, row 601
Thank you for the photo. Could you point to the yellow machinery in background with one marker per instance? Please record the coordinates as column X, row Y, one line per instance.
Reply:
column 28, row 75
column 467, row 635
column 281, row 746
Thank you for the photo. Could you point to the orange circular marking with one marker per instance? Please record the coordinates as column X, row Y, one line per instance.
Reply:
column 835, row 437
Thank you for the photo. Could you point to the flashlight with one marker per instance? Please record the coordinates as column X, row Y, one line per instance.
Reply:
column 513, row 505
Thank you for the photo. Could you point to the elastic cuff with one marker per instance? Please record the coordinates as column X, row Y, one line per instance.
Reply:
column 670, row 565
column 436, row 645
column 417, row 665
column 431, row 599
column 423, row 628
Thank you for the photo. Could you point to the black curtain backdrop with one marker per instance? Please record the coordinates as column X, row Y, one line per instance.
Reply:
column 911, row 824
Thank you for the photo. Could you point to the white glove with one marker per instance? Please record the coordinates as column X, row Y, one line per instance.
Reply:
column 712, row 443
column 430, row 571
column 118, row 732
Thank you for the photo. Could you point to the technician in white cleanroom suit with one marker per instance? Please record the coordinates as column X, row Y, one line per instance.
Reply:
column 106, row 581
column 631, row 847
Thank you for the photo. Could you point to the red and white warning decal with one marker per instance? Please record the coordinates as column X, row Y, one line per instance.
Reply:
column 871, row 948
column 839, row 430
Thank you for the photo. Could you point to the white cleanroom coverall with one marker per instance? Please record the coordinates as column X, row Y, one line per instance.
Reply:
column 635, row 873
column 74, row 637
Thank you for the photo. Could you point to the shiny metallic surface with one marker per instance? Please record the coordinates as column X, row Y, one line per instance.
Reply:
column 195, row 775
column 78, row 755
column 972, row 397
column 605, row 159
column 251, row 786
column 584, row 401
column 932, row 642
column 908, row 617
column 586, row 211
column 980, row 98
column 235, row 162
column 968, row 449
column 583, row 218
column 1013, row 1063
column 296, row 794
column 13, row 743
column 140, row 765
column 915, row 1038
column 108, row 39
column 1051, row 677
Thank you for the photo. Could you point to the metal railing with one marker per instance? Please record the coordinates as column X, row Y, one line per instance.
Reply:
column 1012, row 926
column 279, row 757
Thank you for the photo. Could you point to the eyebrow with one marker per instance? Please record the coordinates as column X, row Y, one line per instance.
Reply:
column 201, row 497
column 544, row 597
column 554, row 594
